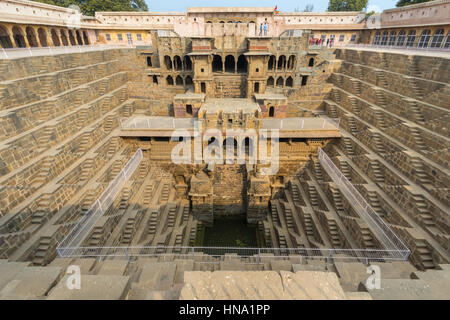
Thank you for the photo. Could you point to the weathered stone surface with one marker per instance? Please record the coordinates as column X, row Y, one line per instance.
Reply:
column 31, row 283
column 157, row 276
column 93, row 287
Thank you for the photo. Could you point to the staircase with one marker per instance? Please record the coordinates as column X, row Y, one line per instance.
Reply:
column 274, row 213
column 334, row 234
column 295, row 194
column 379, row 117
column 337, row 200
column 375, row 203
column 86, row 170
column 152, row 222
column 84, row 143
column 116, row 168
column 44, row 171
column 333, row 111
column 337, row 96
column 43, row 253
column 318, row 171
column 352, row 125
column 380, row 98
column 185, row 214
column 308, row 224
column 425, row 216
column 165, row 193
column 108, row 124
column 381, row 78
column 44, row 139
column 126, row 195
column 355, row 106
column 415, row 89
column 313, row 196
column 348, row 146
column 87, row 201
column 128, row 231
column 378, row 143
column 424, row 255
column 42, row 212
column 367, row 240
column 171, row 217
column 289, row 219
column 148, row 190
column 419, row 171
column 376, row 169
column 345, row 169
column 112, row 148
column 356, row 86
column 415, row 133
column 96, row 239
column 416, row 112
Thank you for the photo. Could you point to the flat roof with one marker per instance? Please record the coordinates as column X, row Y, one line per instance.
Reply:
column 229, row 105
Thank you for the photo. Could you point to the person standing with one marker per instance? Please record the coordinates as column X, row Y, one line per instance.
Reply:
column 328, row 42
column 266, row 27
column 260, row 29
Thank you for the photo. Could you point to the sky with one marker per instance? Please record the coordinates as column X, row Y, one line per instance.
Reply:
column 283, row 5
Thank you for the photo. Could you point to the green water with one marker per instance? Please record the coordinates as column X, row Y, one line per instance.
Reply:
column 231, row 233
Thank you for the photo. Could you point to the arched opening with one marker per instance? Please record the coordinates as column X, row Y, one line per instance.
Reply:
column 256, row 87
column 411, row 38
column 85, row 38
column 229, row 64
column 311, row 62
column 5, row 40
column 242, row 64
column 401, row 38
column 179, row 81
column 55, row 38
column 376, row 39
column 384, row 38
column 392, row 37
column 188, row 81
column 189, row 109
column 31, row 37
column 155, row 79
column 168, row 62
column 79, row 40
column 271, row 112
column 64, row 38
column 291, row 62
column 289, row 82
column 18, row 37
column 437, row 39
column 280, row 82
column 281, row 63
column 203, row 87
column 169, row 81
column 72, row 38
column 42, row 35
column 187, row 63
column 271, row 63
column 177, row 65
column 230, row 143
column 424, row 39
column 270, row 82
column 217, row 65
column 149, row 62
column 304, row 80
column 247, row 147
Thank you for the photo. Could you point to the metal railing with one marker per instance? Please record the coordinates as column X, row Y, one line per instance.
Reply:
column 160, row 123
column 393, row 245
column 16, row 53
column 301, row 123
column 81, row 230
column 394, row 249
column 252, row 255
column 156, row 123
column 393, row 47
